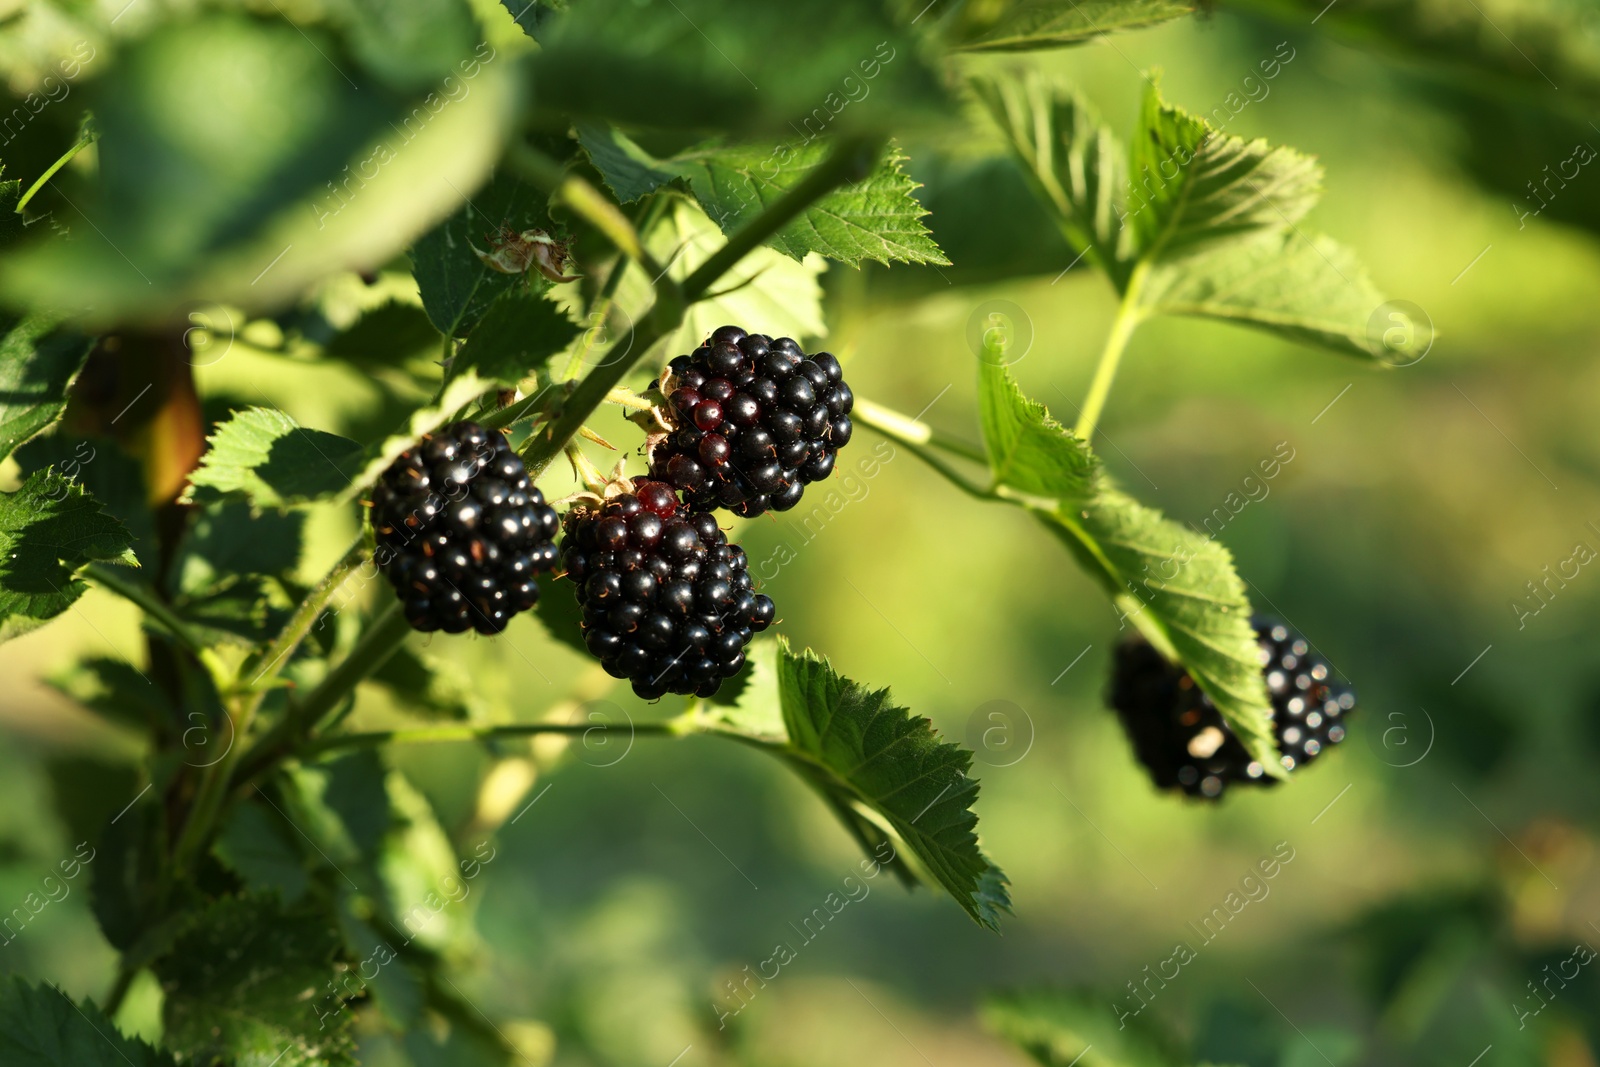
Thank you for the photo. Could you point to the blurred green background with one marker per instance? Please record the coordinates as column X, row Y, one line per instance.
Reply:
column 1442, row 857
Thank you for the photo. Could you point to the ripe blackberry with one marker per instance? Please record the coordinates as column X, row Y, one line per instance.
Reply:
column 462, row 531
column 1179, row 735
column 754, row 421
column 667, row 601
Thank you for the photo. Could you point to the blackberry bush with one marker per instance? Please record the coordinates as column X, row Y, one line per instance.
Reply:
column 667, row 602
column 754, row 421
column 462, row 532
column 1181, row 738
column 260, row 838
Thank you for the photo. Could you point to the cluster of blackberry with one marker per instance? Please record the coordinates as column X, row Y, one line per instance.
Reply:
column 667, row 601
column 462, row 532
column 1181, row 738
column 754, row 420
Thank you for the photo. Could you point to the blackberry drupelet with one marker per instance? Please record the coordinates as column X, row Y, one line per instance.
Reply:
column 754, row 421
column 667, row 601
column 1179, row 735
column 462, row 531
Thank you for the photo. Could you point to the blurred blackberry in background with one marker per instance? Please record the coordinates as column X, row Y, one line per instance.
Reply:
column 1179, row 735
column 462, row 531
column 754, row 421
column 667, row 602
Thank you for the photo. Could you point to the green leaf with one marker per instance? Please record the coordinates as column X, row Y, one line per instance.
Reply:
column 386, row 336
column 1029, row 451
column 117, row 690
column 629, row 171
column 248, row 982
column 228, row 538
column 876, row 218
column 1193, row 184
column 272, row 461
column 1073, row 161
column 1179, row 588
column 1310, row 289
column 709, row 65
column 519, row 332
column 40, row 1026
column 104, row 470
column 1205, row 223
column 264, row 851
column 1020, row 25
column 863, row 752
column 1060, row 1027
column 985, row 218
column 242, row 159
column 49, row 529
column 37, row 363
column 381, row 833
column 757, row 711
column 457, row 285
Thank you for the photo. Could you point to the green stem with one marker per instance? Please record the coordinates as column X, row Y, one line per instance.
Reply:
column 910, row 431
column 1127, row 320
column 153, row 606
column 916, row 437
column 276, row 655
column 85, row 139
column 216, row 780
column 382, row 638
column 437, row 734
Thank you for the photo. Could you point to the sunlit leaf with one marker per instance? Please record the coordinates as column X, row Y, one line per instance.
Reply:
column 1176, row 586
column 265, row 456
column 49, row 529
